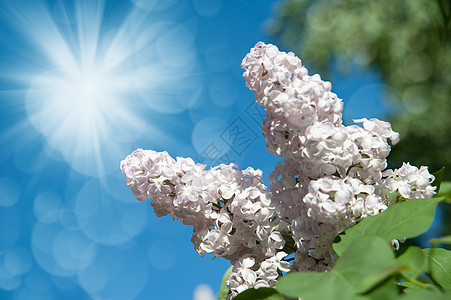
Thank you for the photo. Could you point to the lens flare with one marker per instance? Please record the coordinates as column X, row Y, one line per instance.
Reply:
column 77, row 110
column 92, row 86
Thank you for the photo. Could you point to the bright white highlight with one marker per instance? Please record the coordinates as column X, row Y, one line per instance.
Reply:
column 94, row 89
column 82, row 112
column 203, row 292
column 74, row 109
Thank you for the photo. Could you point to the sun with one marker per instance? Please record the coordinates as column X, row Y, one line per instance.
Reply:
column 76, row 109
column 94, row 88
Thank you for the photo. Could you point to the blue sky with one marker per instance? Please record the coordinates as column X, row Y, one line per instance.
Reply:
column 82, row 85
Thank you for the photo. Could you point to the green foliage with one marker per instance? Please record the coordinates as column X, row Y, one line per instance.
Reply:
column 407, row 42
column 445, row 191
column 438, row 265
column 311, row 285
column 365, row 264
column 402, row 220
column 423, row 294
column 443, row 240
column 413, row 258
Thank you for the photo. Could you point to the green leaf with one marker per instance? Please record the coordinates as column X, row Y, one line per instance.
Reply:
column 386, row 290
column 422, row 294
column 443, row 240
column 413, row 258
column 366, row 255
column 375, row 278
column 408, row 265
column 445, row 191
column 402, row 220
column 223, row 290
column 438, row 178
column 413, row 286
column 263, row 293
column 438, row 265
column 311, row 286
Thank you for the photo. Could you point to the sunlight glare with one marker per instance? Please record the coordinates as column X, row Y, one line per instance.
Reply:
column 93, row 88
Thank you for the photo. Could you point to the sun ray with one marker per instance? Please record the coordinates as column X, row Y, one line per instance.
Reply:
column 89, row 83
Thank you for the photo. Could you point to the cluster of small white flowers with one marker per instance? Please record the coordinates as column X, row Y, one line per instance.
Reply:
column 410, row 182
column 278, row 78
column 246, row 273
column 332, row 176
column 232, row 211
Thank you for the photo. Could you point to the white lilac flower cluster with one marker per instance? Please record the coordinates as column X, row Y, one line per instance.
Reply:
column 410, row 182
column 231, row 210
column 332, row 176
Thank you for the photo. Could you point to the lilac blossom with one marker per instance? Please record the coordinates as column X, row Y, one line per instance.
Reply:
column 332, row 176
